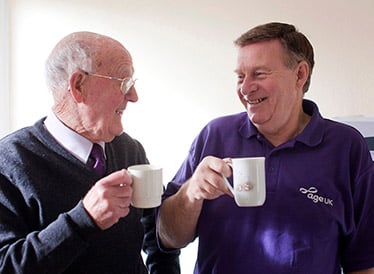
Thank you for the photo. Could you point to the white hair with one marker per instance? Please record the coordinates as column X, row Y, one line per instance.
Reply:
column 75, row 51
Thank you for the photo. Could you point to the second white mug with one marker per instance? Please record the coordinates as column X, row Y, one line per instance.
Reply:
column 249, row 183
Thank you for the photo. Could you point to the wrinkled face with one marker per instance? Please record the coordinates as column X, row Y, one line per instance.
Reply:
column 266, row 87
column 103, row 103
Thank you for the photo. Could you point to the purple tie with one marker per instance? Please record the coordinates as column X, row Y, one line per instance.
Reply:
column 98, row 159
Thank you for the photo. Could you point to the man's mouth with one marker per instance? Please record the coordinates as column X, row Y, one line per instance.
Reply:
column 255, row 102
column 119, row 111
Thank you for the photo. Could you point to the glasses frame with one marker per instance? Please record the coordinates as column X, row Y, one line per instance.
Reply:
column 126, row 83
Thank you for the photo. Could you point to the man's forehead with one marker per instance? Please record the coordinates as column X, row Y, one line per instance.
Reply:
column 126, row 70
column 261, row 52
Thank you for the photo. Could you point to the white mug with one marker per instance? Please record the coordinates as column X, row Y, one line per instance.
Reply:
column 147, row 186
column 249, row 184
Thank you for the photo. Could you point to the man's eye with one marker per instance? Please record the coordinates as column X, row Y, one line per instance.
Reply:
column 240, row 78
column 260, row 74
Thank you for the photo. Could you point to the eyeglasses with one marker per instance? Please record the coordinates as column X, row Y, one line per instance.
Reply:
column 126, row 83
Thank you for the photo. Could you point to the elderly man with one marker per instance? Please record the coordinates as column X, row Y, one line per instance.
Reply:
column 62, row 208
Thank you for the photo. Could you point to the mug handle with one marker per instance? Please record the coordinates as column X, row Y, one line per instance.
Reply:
column 229, row 186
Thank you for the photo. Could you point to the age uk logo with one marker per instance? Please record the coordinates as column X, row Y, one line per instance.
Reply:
column 311, row 193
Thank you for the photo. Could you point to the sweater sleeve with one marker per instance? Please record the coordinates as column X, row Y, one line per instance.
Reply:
column 158, row 262
column 50, row 250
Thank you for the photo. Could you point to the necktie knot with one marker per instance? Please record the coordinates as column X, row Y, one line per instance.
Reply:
column 98, row 159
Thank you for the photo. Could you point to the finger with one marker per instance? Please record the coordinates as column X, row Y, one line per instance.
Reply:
column 122, row 191
column 220, row 170
column 122, row 202
column 228, row 161
column 218, row 165
column 123, row 211
column 208, row 184
column 118, row 178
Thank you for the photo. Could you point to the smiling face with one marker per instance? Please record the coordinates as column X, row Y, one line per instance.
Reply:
column 99, row 101
column 270, row 91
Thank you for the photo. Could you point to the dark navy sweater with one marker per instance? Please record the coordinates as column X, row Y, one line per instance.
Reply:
column 43, row 225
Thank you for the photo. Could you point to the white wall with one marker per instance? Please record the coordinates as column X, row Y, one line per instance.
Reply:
column 184, row 59
column 4, row 69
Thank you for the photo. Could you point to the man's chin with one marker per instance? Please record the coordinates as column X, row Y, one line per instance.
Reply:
column 113, row 135
column 256, row 119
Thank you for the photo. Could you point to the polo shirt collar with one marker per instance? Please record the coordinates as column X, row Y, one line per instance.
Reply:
column 311, row 135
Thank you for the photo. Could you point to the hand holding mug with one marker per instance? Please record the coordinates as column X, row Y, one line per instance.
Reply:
column 206, row 182
column 109, row 199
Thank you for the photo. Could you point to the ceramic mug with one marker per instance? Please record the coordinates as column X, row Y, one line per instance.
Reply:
column 147, row 185
column 249, row 184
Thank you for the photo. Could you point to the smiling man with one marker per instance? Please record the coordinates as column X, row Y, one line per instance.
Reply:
column 318, row 214
column 65, row 193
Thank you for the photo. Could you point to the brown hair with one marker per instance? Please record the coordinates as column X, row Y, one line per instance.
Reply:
column 295, row 43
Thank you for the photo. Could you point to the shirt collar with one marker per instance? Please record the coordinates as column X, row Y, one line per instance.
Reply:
column 76, row 144
column 312, row 134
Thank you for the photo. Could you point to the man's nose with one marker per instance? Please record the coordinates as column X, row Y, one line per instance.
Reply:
column 247, row 87
column 132, row 95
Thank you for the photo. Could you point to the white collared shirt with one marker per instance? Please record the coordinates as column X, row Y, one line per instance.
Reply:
column 76, row 144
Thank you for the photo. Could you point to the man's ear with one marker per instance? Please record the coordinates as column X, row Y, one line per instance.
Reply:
column 76, row 86
column 302, row 74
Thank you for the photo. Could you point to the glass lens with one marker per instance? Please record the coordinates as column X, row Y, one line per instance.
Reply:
column 126, row 85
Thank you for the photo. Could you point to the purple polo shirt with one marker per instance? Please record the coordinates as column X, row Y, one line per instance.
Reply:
column 319, row 210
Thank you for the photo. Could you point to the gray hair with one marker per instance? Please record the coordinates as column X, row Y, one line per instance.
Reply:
column 75, row 51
